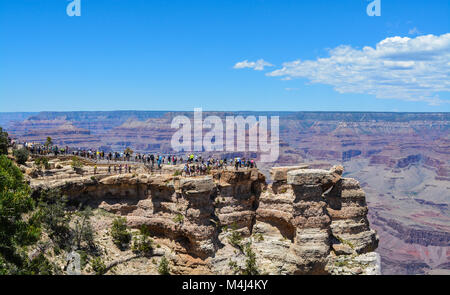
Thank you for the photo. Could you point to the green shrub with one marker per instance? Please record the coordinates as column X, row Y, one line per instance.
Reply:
column 21, row 155
column 179, row 218
column 283, row 190
column 40, row 266
column 250, row 262
column 98, row 266
column 345, row 242
column 128, row 151
column 250, row 267
column 121, row 236
column 163, row 268
column 234, row 267
column 48, row 142
column 76, row 163
column 3, row 142
column 42, row 162
column 259, row 237
column 142, row 244
column 83, row 231
column 15, row 232
column 235, row 237
column 53, row 216
column 84, row 258
column 341, row 263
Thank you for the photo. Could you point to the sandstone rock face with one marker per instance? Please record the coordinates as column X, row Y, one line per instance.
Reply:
column 348, row 211
column 308, row 221
column 310, row 214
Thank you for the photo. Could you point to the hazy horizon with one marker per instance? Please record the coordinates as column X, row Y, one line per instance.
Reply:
column 242, row 111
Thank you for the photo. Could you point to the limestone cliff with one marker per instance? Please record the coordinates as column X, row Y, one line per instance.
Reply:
column 308, row 221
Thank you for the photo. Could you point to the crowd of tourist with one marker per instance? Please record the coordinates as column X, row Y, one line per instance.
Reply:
column 193, row 164
column 198, row 166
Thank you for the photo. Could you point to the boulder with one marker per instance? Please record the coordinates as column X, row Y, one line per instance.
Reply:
column 280, row 173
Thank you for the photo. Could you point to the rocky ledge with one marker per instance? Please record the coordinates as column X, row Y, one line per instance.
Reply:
column 308, row 221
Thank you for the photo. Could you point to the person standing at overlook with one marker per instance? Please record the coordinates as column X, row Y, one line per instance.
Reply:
column 152, row 159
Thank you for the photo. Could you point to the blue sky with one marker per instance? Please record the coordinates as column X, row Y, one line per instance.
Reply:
column 177, row 55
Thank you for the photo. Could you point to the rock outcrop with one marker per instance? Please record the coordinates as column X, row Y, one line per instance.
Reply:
column 308, row 221
column 310, row 216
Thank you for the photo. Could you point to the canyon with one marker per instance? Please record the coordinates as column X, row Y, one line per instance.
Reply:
column 401, row 160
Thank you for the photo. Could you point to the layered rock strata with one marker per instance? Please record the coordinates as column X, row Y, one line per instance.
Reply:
column 308, row 221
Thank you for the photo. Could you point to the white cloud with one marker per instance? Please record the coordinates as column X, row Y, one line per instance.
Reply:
column 413, row 69
column 414, row 31
column 256, row 65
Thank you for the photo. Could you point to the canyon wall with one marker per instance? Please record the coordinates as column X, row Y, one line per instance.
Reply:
column 308, row 221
